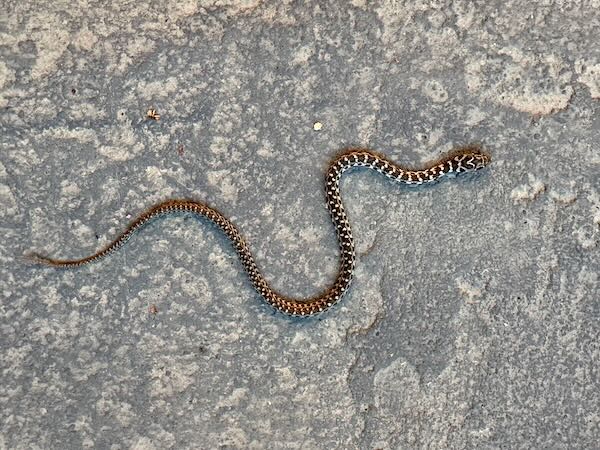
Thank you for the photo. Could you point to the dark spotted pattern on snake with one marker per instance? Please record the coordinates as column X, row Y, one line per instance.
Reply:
column 467, row 159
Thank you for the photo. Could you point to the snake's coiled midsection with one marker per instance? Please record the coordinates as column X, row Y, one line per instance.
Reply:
column 462, row 160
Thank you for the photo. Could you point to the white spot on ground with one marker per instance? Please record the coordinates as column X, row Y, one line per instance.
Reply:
column 155, row 177
column 565, row 196
column 468, row 289
column 172, row 378
column 7, row 76
column 233, row 7
column 219, row 145
column 51, row 39
column 435, row 91
column 158, row 89
column 222, row 180
column 117, row 409
column 69, row 194
column 589, row 74
column 81, row 135
column 303, row 54
column 474, row 117
column 265, row 150
column 366, row 127
column 585, row 238
column 528, row 192
column 115, row 153
column 123, row 145
column 145, row 443
column 594, row 199
column 85, row 39
column 517, row 79
column 8, row 203
column 234, row 399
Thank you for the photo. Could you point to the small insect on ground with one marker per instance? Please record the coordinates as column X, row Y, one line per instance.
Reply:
column 152, row 114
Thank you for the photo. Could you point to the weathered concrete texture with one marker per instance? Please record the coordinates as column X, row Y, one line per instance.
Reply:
column 474, row 317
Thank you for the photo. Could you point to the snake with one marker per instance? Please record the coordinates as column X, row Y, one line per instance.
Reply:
column 462, row 160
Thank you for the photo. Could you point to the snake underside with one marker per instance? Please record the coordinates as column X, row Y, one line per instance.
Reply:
column 462, row 160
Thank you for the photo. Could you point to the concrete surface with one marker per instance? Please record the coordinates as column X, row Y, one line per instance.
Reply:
column 474, row 319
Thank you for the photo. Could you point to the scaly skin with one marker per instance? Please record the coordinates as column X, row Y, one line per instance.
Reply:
column 460, row 161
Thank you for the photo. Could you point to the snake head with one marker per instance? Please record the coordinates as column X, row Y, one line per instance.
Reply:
column 469, row 159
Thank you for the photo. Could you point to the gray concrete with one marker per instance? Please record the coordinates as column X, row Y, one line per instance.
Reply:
column 474, row 317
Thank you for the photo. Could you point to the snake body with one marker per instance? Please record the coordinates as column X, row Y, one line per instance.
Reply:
column 462, row 160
